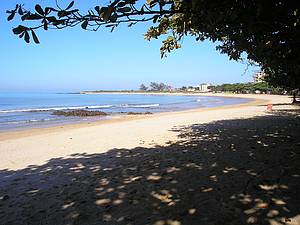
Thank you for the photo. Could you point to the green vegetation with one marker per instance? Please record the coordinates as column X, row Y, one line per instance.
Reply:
column 245, row 88
column 154, row 86
column 262, row 87
column 159, row 87
column 143, row 87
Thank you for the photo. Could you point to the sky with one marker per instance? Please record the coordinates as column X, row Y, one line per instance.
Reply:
column 76, row 60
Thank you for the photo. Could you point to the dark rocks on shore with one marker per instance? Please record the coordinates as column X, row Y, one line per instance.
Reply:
column 139, row 113
column 86, row 113
column 79, row 112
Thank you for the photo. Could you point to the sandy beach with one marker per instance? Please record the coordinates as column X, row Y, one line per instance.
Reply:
column 39, row 145
column 226, row 165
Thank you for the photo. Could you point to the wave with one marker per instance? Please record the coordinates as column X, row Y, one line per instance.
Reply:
column 209, row 100
column 56, row 108
column 28, row 121
column 140, row 106
column 78, row 107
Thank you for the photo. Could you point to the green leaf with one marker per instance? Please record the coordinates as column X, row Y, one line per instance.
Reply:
column 155, row 18
column 21, row 35
column 49, row 9
column 20, row 11
column 114, row 17
column 11, row 16
column 121, row 4
column 97, row 8
column 103, row 9
column 31, row 17
column 58, row 22
column 130, row 1
column 51, row 18
column 45, row 25
column 70, row 5
column 35, row 38
column 39, row 9
column 63, row 13
column 25, row 16
column 26, row 37
column 19, row 29
column 124, row 10
column 84, row 24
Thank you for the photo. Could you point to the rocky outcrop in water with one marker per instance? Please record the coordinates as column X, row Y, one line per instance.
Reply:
column 139, row 113
column 79, row 112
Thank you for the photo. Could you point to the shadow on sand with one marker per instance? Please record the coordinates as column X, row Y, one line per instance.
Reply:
column 243, row 171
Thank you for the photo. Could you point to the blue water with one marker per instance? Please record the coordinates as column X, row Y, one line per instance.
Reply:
column 23, row 110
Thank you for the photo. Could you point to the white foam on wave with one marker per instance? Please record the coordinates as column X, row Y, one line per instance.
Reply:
column 27, row 121
column 140, row 106
column 56, row 108
column 99, row 106
column 77, row 107
column 209, row 100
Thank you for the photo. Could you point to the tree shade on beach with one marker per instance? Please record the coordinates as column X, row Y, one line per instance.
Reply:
column 268, row 31
column 232, row 172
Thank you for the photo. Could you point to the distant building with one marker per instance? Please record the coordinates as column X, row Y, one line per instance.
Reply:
column 191, row 88
column 203, row 87
column 259, row 77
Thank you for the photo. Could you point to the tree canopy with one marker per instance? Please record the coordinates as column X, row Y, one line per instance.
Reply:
column 268, row 31
column 159, row 86
column 143, row 87
column 247, row 88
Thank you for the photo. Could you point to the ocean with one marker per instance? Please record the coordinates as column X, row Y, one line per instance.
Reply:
column 29, row 110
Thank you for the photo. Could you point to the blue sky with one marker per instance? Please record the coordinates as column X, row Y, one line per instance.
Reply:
column 74, row 59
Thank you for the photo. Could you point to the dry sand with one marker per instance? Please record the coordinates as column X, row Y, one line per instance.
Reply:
column 34, row 147
column 228, row 165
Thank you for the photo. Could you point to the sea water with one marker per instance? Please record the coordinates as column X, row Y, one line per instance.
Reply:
column 25, row 110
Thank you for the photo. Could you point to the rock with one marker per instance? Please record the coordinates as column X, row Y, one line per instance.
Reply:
column 80, row 112
column 139, row 113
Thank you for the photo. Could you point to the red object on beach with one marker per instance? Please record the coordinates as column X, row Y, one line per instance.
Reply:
column 269, row 107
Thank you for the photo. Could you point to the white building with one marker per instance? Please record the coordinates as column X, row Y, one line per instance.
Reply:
column 259, row 77
column 203, row 87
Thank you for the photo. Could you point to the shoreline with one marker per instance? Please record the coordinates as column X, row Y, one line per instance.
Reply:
column 238, row 160
column 112, row 115
column 37, row 146
column 31, row 131
column 212, row 94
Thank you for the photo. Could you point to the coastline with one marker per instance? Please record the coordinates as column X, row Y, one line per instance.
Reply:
column 22, row 117
column 11, row 134
column 35, row 146
column 241, row 159
column 164, row 93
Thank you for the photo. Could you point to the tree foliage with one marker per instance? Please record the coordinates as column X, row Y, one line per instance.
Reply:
column 159, row 86
column 247, row 88
column 268, row 31
column 143, row 87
